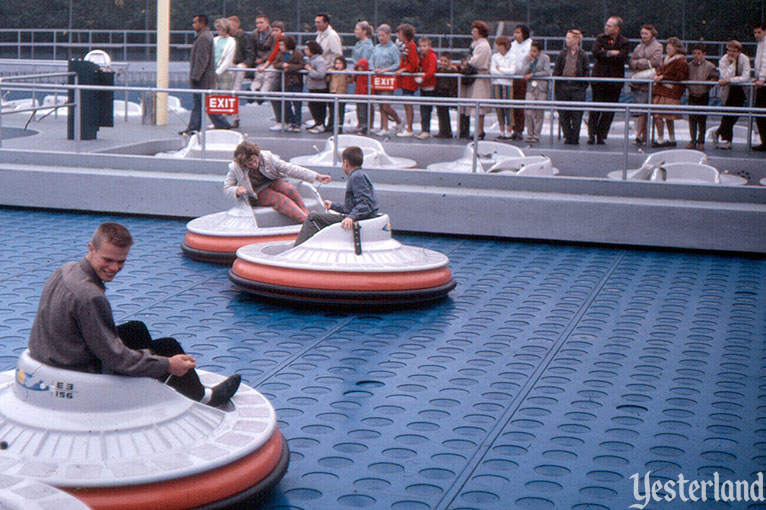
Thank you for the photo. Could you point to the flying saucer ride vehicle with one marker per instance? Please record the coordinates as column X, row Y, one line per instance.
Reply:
column 375, row 155
column 337, row 266
column 119, row 443
column 217, row 237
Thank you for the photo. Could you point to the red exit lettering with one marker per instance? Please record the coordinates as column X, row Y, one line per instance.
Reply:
column 226, row 105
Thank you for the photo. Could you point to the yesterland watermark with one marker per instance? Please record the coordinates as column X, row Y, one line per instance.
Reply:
column 687, row 490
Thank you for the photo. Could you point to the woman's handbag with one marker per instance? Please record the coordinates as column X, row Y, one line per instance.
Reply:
column 646, row 74
column 469, row 73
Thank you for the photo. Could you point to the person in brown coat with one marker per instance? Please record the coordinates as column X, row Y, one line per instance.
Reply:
column 202, row 75
column 647, row 56
column 673, row 69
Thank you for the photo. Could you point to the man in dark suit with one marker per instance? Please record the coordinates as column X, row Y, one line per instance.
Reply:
column 202, row 75
column 610, row 51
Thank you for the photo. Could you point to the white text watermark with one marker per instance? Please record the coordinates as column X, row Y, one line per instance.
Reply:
column 686, row 490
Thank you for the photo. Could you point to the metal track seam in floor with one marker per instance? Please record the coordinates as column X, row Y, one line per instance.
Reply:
column 449, row 497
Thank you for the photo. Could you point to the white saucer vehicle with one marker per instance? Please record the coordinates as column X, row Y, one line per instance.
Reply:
column 374, row 154
column 739, row 134
column 332, row 268
column 14, row 105
column 492, row 157
column 134, row 110
column 119, row 106
column 122, row 443
column 217, row 237
column 219, row 144
column 539, row 166
column 680, row 166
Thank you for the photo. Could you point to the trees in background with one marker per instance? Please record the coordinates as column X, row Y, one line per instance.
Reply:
column 689, row 19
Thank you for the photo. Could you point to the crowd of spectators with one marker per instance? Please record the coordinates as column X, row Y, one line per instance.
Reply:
column 518, row 69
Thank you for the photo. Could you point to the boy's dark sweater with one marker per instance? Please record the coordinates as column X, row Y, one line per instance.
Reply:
column 446, row 86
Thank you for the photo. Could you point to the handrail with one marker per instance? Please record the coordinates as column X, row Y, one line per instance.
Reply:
column 58, row 40
column 6, row 79
column 586, row 79
column 626, row 108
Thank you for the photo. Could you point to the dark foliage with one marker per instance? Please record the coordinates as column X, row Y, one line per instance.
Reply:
column 689, row 19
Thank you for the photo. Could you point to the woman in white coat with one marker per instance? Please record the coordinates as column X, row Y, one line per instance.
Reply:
column 224, row 47
column 502, row 69
column 520, row 48
column 481, row 88
column 259, row 176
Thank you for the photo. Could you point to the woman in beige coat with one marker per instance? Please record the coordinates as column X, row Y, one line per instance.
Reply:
column 481, row 88
column 647, row 55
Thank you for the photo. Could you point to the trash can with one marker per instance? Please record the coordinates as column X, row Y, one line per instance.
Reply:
column 97, row 106
column 148, row 104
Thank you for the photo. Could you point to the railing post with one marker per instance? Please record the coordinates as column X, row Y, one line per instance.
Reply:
column 335, row 131
column 374, row 105
column 203, row 125
column 553, row 111
column 474, row 162
column 1, row 122
column 282, row 102
column 626, row 144
column 77, row 114
column 750, row 116
column 125, row 70
column 649, row 123
column 370, row 107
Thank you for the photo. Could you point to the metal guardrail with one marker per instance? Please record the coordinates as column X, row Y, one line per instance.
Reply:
column 552, row 80
column 120, row 68
column 140, row 44
column 7, row 83
column 548, row 105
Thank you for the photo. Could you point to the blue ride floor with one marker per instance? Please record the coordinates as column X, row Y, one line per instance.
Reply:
column 550, row 375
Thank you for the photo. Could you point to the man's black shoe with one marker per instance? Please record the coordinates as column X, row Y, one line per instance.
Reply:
column 186, row 132
column 759, row 148
column 223, row 391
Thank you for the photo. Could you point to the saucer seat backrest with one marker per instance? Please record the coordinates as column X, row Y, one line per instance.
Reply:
column 675, row 156
column 496, row 150
column 692, row 172
column 374, row 233
column 217, row 139
column 49, row 388
column 739, row 134
column 528, row 165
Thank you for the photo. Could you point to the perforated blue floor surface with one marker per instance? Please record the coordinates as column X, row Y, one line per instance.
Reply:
column 549, row 377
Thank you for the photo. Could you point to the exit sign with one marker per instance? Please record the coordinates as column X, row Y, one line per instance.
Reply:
column 222, row 105
column 383, row 83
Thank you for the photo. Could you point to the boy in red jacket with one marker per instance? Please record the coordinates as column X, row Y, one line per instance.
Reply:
column 409, row 64
column 427, row 82
column 361, row 88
